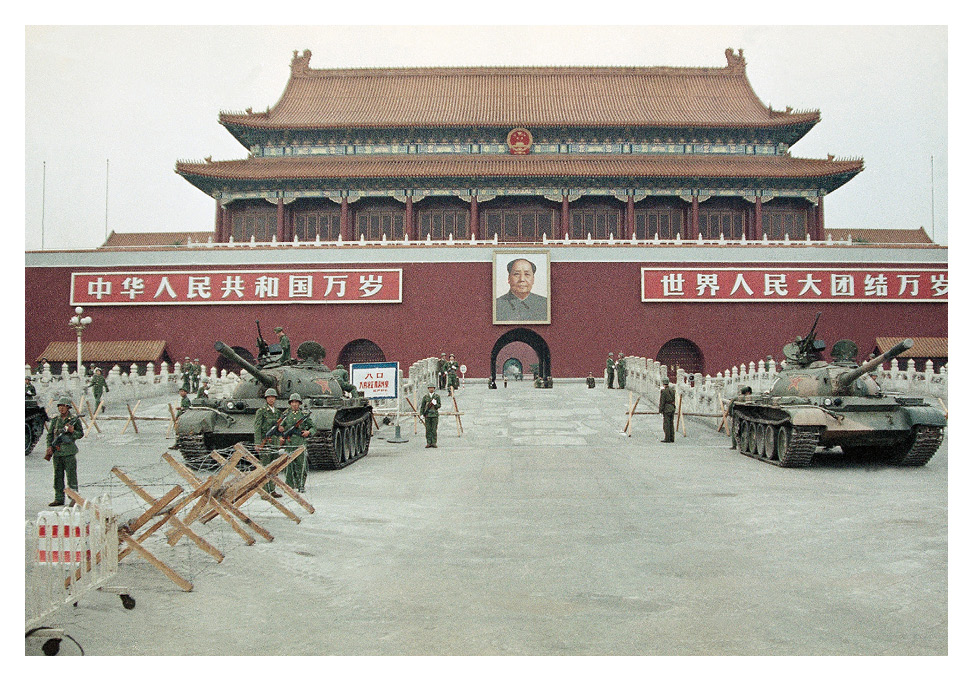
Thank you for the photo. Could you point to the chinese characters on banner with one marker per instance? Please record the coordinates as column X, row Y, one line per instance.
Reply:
column 224, row 287
column 794, row 285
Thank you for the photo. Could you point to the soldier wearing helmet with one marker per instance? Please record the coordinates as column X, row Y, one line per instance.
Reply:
column 296, row 469
column 65, row 430
column 266, row 437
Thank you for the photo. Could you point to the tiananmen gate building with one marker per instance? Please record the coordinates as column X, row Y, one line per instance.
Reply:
column 393, row 214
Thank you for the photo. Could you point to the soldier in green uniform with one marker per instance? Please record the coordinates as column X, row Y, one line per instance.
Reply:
column 429, row 411
column 285, row 343
column 340, row 373
column 29, row 389
column 452, row 371
column 441, row 370
column 185, row 403
column 187, row 376
column 590, row 381
column 667, row 407
column 296, row 469
column 266, row 437
column 197, row 372
column 203, row 392
column 65, row 430
column 621, row 371
column 98, row 387
column 610, row 368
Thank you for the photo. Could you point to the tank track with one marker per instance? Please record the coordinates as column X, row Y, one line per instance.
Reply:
column 800, row 450
column 924, row 445
column 351, row 437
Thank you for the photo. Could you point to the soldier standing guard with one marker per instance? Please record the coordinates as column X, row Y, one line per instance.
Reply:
column 65, row 430
column 285, row 343
column 187, row 380
column 452, row 370
column 98, row 387
column 590, row 380
column 621, row 371
column 295, row 430
column 441, row 370
column 266, row 437
column 197, row 372
column 667, row 407
column 610, row 369
column 429, row 411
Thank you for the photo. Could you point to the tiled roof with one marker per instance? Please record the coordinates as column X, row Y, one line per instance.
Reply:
column 104, row 351
column 923, row 346
column 881, row 236
column 139, row 239
column 531, row 165
column 518, row 96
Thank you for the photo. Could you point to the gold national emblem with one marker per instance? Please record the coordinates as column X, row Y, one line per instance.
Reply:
column 519, row 140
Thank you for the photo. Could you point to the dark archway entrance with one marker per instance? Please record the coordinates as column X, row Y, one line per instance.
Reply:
column 681, row 353
column 531, row 338
column 359, row 351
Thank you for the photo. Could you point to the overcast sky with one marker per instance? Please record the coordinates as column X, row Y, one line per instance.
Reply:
column 109, row 110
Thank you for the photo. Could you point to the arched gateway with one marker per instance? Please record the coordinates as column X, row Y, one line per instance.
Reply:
column 531, row 338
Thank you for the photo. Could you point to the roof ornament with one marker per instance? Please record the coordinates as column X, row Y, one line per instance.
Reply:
column 301, row 65
column 735, row 61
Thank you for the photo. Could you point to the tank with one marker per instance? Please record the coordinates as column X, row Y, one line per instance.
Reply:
column 834, row 404
column 34, row 419
column 344, row 427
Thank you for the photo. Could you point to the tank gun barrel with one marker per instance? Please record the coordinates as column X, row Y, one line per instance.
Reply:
column 229, row 353
column 846, row 379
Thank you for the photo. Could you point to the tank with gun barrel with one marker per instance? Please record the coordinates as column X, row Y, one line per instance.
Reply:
column 814, row 403
column 34, row 419
column 343, row 423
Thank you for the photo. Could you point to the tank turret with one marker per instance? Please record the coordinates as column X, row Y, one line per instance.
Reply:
column 814, row 403
column 342, row 418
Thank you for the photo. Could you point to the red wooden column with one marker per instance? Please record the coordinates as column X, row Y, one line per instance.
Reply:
column 218, row 231
column 475, row 217
column 344, row 226
column 410, row 226
column 693, row 220
column 630, row 218
column 819, row 221
column 227, row 225
column 281, row 236
column 758, row 220
column 565, row 217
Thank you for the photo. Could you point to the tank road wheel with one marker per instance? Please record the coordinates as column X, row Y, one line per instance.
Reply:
column 800, row 447
column 919, row 448
column 339, row 446
column 29, row 441
column 343, row 444
column 770, row 442
column 748, row 437
column 783, row 442
column 760, row 433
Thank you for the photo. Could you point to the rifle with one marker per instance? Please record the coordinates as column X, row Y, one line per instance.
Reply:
column 64, row 436
column 294, row 428
column 262, row 347
column 273, row 431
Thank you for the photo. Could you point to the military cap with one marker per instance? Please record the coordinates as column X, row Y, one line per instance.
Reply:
column 278, row 329
column 28, row 378
column 295, row 397
column 269, row 392
column 183, row 390
column 611, row 354
column 66, row 401
column 339, row 366
column 431, row 386
column 665, row 380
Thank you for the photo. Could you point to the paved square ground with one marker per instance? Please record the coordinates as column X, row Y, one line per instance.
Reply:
column 541, row 531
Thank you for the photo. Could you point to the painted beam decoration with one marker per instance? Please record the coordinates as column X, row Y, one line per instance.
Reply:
column 228, row 287
column 794, row 284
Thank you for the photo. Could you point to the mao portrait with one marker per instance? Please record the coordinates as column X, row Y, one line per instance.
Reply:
column 521, row 287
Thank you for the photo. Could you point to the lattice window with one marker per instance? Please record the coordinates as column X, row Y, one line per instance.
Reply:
column 372, row 223
column 259, row 223
column 325, row 225
column 778, row 222
column 518, row 224
column 665, row 222
column 598, row 222
column 441, row 222
column 716, row 222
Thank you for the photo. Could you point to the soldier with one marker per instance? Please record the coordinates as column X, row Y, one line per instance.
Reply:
column 621, row 371
column 295, row 430
column 30, row 390
column 266, row 437
column 197, row 372
column 452, row 372
column 65, row 430
column 429, row 411
column 185, row 403
column 610, row 369
column 667, row 407
column 341, row 373
column 590, row 380
column 285, row 343
column 187, row 375
column 441, row 370
column 203, row 392
column 98, row 387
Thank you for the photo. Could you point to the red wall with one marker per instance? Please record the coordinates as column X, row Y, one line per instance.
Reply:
column 596, row 308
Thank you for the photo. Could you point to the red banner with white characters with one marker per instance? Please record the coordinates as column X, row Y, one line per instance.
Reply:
column 228, row 287
column 794, row 284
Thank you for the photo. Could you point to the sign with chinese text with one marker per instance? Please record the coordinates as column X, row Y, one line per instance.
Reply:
column 376, row 380
column 224, row 287
column 794, row 284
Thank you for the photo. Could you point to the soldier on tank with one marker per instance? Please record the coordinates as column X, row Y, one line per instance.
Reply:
column 621, row 371
column 429, row 411
column 285, row 343
column 203, row 392
column 65, row 430
column 667, row 407
column 98, row 387
column 610, row 370
column 184, row 403
column 29, row 389
column 295, row 430
column 266, row 436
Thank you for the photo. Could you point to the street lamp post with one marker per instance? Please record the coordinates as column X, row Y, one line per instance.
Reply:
column 79, row 324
